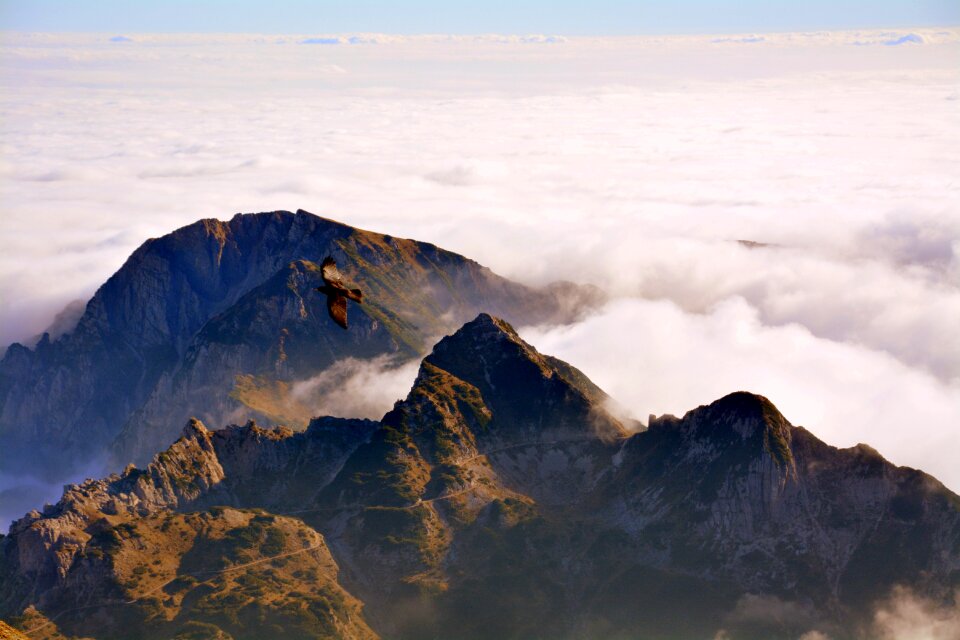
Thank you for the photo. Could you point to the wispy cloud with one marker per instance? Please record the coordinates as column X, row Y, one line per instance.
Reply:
column 654, row 357
column 905, row 615
column 759, row 615
column 353, row 388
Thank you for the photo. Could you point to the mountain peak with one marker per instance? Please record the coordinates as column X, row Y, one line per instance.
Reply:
column 190, row 313
column 482, row 336
column 484, row 327
column 193, row 428
column 487, row 352
column 745, row 403
column 486, row 320
column 518, row 384
column 749, row 417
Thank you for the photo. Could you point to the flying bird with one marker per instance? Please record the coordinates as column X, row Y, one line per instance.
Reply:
column 337, row 292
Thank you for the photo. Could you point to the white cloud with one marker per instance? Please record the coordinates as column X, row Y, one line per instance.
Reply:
column 353, row 388
column 653, row 357
column 908, row 616
column 740, row 39
column 633, row 163
column 332, row 40
column 754, row 612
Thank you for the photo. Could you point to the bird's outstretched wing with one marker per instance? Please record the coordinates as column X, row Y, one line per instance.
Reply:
column 337, row 293
column 330, row 273
column 337, row 306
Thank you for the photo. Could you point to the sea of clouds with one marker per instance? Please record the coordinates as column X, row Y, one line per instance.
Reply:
column 637, row 164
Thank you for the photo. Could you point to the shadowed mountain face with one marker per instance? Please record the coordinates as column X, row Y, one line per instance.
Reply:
column 499, row 499
column 218, row 319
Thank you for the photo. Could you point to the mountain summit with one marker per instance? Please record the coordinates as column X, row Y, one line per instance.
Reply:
column 498, row 499
column 219, row 319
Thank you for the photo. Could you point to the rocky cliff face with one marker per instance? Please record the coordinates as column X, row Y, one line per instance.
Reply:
column 216, row 319
column 499, row 499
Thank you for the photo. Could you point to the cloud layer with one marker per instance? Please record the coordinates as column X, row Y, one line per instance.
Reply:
column 637, row 164
column 353, row 388
column 908, row 616
column 655, row 358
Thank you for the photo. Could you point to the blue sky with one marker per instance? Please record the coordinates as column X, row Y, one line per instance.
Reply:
column 565, row 17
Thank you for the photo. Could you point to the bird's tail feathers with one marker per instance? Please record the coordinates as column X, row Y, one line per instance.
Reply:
column 355, row 294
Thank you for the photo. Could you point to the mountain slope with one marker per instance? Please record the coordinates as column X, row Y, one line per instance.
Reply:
column 217, row 319
column 501, row 499
column 220, row 573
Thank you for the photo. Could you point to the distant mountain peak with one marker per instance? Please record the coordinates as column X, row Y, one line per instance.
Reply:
column 739, row 417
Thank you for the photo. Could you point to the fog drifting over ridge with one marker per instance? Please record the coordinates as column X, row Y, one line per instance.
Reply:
column 633, row 163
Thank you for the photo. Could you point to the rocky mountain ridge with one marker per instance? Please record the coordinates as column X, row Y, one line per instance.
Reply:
column 499, row 499
column 217, row 319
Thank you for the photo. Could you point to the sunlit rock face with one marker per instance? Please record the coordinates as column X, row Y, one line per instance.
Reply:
column 500, row 498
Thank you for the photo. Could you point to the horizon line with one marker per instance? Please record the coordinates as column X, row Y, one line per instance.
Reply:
column 481, row 33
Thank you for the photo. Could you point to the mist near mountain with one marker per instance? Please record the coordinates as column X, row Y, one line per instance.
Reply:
column 353, row 388
column 499, row 498
column 681, row 360
column 633, row 163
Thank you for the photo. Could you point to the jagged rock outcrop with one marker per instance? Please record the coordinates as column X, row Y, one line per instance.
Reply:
column 246, row 466
column 502, row 499
column 217, row 319
column 89, row 542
